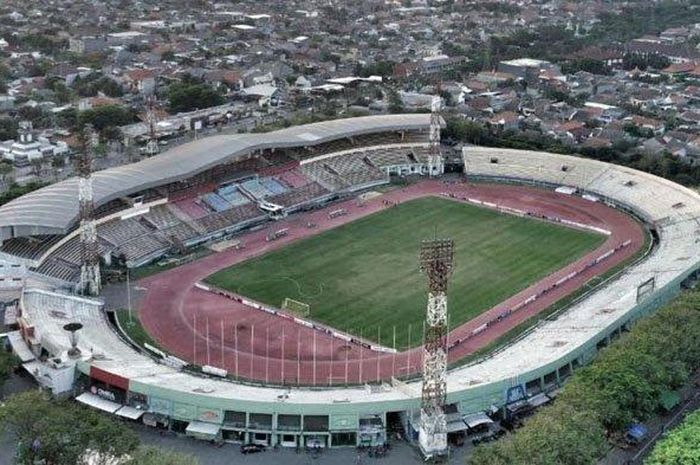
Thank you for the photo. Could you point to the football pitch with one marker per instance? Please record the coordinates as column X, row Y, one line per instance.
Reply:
column 364, row 277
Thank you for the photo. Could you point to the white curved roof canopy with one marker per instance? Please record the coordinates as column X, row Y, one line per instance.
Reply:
column 54, row 209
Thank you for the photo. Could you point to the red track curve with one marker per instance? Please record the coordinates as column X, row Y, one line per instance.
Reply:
column 167, row 310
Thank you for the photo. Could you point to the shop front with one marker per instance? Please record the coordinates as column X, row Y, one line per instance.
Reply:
column 203, row 431
column 372, row 432
column 288, row 439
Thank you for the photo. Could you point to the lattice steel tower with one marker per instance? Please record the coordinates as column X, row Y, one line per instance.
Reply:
column 437, row 262
column 436, row 164
column 151, row 120
column 90, row 261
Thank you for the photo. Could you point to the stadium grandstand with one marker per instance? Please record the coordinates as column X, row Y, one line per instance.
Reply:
column 209, row 189
column 213, row 186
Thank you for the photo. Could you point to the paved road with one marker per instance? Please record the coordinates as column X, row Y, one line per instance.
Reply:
column 400, row 453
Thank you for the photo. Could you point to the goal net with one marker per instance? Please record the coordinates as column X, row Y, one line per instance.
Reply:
column 296, row 307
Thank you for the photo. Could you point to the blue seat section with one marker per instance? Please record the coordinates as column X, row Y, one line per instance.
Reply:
column 216, row 202
column 255, row 188
column 273, row 186
column 232, row 195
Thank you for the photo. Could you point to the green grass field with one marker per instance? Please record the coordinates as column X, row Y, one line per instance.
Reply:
column 364, row 277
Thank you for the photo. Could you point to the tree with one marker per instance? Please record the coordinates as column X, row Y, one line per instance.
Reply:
column 153, row 456
column 395, row 102
column 92, row 84
column 67, row 118
column 447, row 98
column 464, row 130
column 106, row 116
column 380, row 68
column 36, row 166
column 15, row 190
column 8, row 362
column 111, row 133
column 168, row 55
column 622, row 385
column 189, row 95
column 6, row 171
column 557, row 435
column 642, row 62
column 589, row 65
column 61, row 432
column 8, row 128
column 38, row 116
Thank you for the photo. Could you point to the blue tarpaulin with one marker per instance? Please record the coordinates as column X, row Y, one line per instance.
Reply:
column 637, row 431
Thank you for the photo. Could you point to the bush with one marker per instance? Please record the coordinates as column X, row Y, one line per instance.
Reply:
column 681, row 446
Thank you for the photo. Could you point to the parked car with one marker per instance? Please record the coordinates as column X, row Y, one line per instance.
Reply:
column 252, row 448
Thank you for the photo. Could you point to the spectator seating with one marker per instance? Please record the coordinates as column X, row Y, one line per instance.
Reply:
column 242, row 213
column 70, row 251
column 29, row 247
column 58, row 269
column 272, row 186
column 623, row 184
column 143, row 248
column 255, row 188
column 354, row 168
column 189, row 208
column 181, row 232
column 300, row 195
column 219, row 221
column 121, row 231
column 161, row 217
column 320, row 173
column 197, row 210
column 293, row 178
column 215, row 202
column 232, row 195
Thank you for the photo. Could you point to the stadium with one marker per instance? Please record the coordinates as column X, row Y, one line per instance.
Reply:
column 287, row 306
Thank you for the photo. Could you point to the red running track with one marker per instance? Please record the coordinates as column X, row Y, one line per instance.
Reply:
column 254, row 345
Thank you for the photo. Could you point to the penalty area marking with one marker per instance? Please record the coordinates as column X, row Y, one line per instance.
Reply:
column 242, row 289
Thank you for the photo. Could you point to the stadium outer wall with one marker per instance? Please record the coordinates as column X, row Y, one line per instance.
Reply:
column 186, row 399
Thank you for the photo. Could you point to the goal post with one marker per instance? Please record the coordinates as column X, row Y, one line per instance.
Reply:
column 296, row 307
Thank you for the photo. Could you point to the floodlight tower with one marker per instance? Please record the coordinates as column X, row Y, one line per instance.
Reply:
column 436, row 164
column 90, row 262
column 437, row 262
column 151, row 121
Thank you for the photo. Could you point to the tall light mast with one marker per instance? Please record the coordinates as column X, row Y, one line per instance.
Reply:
column 90, row 261
column 436, row 164
column 151, row 120
column 437, row 262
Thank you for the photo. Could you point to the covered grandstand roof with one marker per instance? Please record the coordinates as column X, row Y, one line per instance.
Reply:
column 54, row 209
